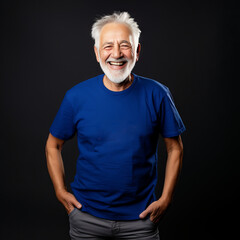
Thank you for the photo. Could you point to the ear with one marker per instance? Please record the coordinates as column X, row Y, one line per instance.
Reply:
column 96, row 53
column 138, row 51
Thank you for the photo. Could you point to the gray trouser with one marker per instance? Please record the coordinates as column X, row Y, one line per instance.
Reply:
column 86, row 226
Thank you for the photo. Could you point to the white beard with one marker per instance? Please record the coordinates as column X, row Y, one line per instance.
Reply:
column 118, row 76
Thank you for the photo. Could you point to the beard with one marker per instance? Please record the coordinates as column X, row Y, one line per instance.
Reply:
column 118, row 75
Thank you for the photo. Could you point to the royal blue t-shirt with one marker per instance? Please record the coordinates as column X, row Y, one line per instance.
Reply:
column 117, row 133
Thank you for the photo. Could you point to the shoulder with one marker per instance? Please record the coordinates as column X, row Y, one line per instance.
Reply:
column 153, row 85
column 82, row 88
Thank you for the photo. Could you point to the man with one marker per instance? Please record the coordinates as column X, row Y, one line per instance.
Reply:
column 118, row 117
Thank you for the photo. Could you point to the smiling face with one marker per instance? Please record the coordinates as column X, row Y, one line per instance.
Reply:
column 116, row 54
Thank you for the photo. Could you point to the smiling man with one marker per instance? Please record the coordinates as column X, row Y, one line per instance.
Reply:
column 118, row 117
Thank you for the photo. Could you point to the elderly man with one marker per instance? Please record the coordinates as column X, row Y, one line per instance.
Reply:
column 118, row 117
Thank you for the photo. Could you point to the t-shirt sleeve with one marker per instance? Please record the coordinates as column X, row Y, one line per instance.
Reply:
column 63, row 125
column 171, row 124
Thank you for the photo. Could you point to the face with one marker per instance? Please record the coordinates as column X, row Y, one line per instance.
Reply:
column 116, row 53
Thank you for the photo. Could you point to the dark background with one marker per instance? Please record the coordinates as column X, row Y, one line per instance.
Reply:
column 190, row 46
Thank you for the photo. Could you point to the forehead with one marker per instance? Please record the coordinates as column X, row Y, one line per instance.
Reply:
column 115, row 31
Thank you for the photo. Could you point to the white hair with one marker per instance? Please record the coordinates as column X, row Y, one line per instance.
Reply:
column 118, row 17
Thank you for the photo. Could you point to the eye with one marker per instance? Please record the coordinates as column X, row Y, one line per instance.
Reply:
column 107, row 47
column 125, row 46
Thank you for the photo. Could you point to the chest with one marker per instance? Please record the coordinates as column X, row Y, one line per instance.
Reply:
column 116, row 119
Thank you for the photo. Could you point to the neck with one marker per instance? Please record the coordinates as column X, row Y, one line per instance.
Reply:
column 116, row 87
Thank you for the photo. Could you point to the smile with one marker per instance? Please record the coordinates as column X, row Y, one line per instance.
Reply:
column 117, row 63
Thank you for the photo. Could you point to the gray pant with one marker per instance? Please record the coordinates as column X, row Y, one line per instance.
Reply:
column 86, row 226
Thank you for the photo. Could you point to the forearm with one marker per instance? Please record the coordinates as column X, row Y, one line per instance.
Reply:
column 173, row 167
column 56, row 168
column 174, row 162
column 56, row 171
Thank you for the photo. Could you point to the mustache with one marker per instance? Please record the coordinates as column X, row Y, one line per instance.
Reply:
column 117, row 60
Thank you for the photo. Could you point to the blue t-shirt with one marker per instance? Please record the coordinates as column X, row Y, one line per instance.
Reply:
column 117, row 133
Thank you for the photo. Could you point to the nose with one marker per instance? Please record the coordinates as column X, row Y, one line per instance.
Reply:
column 116, row 53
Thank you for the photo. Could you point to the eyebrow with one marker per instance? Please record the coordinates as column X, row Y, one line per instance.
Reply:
column 123, row 41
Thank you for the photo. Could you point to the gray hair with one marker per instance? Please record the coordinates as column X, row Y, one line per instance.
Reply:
column 119, row 17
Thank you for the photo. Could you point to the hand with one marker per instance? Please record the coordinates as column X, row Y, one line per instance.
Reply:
column 156, row 210
column 68, row 200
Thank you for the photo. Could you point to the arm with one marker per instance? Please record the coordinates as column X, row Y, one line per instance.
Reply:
column 55, row 167
column 174, row 148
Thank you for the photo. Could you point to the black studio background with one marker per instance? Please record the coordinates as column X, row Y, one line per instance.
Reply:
column 190, row 46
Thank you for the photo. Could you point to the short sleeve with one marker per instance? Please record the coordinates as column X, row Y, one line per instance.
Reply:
column 171, row 124
column 63, row 125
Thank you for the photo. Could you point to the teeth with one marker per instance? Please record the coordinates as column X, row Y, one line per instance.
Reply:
column 117, row 63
